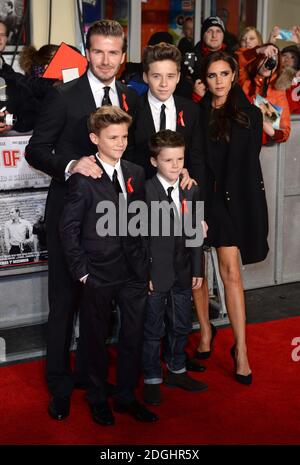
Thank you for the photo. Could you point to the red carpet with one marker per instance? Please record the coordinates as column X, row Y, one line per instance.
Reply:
column 268, row 412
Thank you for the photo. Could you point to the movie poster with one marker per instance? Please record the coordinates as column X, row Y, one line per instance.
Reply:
column 22, row 231
column 16, row 15
column 15, row 173
column 179, row 10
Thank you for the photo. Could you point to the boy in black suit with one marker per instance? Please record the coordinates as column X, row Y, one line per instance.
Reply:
column 110, row 265
column 159, row 109
column 175, row 268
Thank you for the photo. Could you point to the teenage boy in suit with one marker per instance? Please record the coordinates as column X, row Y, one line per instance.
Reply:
column 110, row 266
column 159, row 109
column 175, row 268
column 60, row 146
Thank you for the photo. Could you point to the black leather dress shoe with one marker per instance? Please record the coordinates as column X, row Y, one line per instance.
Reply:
column 102, row 414
column 152, row 394
column 59, row 408
column 184, row 381
column 136, row 410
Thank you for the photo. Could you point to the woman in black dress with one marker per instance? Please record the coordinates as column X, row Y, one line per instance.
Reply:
column 235, row 203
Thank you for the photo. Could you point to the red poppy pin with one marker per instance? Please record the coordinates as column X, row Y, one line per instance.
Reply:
column 184, row 207
column 124, row 103
column 129, row 187
column 180, row 120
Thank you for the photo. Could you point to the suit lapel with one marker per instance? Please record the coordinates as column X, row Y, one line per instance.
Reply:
column 106, row 184
column 128, row 179
column 86, row 94
column 124, row 99
column 180, row 116
column 146, row 117
column 162, row 196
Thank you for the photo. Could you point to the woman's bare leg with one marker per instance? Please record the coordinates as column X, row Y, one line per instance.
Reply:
column 200, row 298
column 230, row 272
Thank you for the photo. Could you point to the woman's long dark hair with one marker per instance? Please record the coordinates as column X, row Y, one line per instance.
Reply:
column 221, row 120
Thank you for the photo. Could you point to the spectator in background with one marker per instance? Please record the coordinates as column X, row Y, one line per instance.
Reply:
column 230, row 39
column 281, row 34
column 250, row 37
column 21, row 94
column 34, row 62
column 265, row 79
column 290, row 60
column 212, row 40
column 186, row 44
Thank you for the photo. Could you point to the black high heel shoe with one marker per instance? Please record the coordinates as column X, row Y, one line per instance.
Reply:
column 242, row 379
column 207, row 354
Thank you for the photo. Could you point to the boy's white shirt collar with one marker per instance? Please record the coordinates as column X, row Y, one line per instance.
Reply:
column 166, row 184
column 158, row 103
column 109, row 169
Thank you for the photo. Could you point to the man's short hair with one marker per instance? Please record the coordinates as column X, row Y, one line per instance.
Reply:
column 160, row 52
column 105, row 116
column 107, row 28
column 165, row 139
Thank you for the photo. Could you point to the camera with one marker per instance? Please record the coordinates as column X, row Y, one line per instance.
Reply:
column 271, row 63
column 8, row 119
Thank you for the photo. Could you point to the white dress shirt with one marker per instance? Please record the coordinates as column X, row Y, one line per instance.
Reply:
column 174, row 193
column 98, row 92
column 170, row 110
column 109, row 169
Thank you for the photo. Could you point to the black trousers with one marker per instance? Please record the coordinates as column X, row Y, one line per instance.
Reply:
column 95, row 313
column 64, row 297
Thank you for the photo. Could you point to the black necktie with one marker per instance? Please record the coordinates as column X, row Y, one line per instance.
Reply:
column 162, row 124
column 170, row 189
column 106, row 100
column 116, row 183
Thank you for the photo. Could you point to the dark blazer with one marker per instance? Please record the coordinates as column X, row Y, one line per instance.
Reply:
column 187, row 125
column 244, row 186
column 61, row 135
column 111, row 259
column 170, row 256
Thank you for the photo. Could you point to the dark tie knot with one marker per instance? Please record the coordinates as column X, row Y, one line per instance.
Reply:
column 170, row 190
column 116, row 183
column 163, row 107
column 106, row 100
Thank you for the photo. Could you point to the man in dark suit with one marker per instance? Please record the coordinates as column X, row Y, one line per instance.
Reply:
column 111, row 265
column 60, row 146
column 160, row 109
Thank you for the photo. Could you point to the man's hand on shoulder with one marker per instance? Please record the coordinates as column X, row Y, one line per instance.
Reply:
column 186, row 181
column 87, row 167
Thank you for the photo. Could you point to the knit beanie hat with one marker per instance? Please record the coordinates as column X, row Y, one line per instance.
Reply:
column 212, row 21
